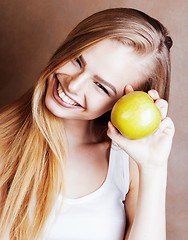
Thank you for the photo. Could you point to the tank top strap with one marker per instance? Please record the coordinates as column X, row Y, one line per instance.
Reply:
column 120, row 168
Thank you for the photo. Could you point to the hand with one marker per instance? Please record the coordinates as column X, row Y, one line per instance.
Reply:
column 154, row 149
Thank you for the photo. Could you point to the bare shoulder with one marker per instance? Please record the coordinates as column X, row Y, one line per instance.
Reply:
column 133, row 183
column 132, row 195
column 133, row 173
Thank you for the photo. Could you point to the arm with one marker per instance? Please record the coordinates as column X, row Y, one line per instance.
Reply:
column 142, row 202
column 131, row 198
column 151, row 155
column 149, row 221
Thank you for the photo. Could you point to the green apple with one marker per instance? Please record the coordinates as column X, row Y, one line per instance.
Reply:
column 135, row 115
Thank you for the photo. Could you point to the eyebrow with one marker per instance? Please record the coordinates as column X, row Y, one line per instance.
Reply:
column 99, row 78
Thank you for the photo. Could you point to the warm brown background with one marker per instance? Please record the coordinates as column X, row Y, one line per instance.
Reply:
column 31, row 30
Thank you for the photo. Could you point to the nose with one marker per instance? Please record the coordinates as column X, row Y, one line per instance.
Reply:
column 77, row 82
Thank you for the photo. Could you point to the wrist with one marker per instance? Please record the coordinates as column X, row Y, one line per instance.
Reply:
column 149, row 167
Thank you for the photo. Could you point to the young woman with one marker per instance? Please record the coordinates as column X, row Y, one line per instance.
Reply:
column 66, row 172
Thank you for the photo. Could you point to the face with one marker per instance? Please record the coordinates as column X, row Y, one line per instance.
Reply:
column 89, row 85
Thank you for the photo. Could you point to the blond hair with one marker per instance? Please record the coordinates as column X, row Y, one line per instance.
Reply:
column 33, row 149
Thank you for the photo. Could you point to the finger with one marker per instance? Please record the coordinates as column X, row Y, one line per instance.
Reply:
column 111, row 130
column 162, row 106
column 116, row 136
column 153, row 94
column 128, row 89
column 166, row 127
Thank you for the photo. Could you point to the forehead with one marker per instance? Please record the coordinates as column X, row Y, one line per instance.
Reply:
column 115, row 62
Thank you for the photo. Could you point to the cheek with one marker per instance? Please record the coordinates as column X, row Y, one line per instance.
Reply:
column 50, row 82
column 100, row 107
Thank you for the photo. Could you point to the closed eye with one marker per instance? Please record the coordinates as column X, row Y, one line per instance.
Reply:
column 103, row 88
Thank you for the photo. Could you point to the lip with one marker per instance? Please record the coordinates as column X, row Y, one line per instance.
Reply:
column 60, row 101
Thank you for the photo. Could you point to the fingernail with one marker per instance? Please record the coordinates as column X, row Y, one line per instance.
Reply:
column 110, row 125
column 151, row 93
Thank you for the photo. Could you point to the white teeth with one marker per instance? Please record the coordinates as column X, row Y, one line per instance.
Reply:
column 61, row 94
column 64, row 97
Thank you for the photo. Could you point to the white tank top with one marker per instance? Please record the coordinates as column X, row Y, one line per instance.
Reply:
column 99, row 215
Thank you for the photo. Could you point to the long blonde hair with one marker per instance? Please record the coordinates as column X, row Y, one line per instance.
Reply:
column 32, row 147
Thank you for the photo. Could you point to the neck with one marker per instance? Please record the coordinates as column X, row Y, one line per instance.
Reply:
column 77, row 132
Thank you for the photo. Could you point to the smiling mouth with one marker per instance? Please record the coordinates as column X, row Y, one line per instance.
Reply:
column 64, row 97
